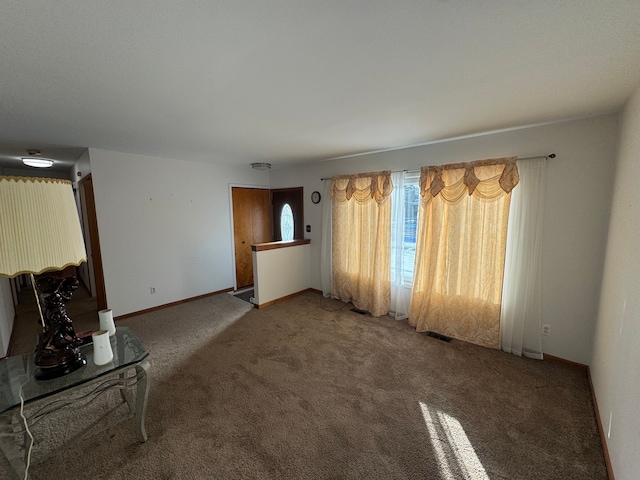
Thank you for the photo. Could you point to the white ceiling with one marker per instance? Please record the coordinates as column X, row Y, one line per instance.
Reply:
column 284, row 81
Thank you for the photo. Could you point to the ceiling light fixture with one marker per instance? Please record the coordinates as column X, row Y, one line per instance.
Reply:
column 37, row 162
column 261, row 166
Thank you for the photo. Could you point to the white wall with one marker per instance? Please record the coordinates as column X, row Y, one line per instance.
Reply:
column 280, row 272
column 616, row 355
column 82, row 167
column 164, row 223
column 579, row 187
column 7, row 315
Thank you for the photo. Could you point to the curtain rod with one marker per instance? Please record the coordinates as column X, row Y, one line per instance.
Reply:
column 392, row 171
column 551, row 155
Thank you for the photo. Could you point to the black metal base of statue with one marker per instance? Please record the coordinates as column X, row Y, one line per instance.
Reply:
column 58, row 349
column 60, row 370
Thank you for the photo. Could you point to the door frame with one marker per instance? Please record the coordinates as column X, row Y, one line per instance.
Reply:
column 91, row 234
column 233, row 243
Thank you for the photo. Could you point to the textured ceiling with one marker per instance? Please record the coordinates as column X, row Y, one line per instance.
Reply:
column 285, row 81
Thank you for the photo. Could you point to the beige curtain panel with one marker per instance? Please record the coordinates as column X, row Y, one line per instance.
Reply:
column 460, row 249
column 361, row 240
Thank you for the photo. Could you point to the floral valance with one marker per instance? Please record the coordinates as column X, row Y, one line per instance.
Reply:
column 484, row 179
column 362, row 187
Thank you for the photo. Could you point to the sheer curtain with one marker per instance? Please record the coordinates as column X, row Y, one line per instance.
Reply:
column 460, row 251
column 361, row 240
column 400, row 254
column 325, row 248
column 520, row 318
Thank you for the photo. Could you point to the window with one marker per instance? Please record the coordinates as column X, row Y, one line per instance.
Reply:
column 411, row 208
column 287, row 205
column 286, row 223
column 403, row 242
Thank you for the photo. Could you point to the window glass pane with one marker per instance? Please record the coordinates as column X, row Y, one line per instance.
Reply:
column 403, row 243
column 411, row 205
column 286, row 223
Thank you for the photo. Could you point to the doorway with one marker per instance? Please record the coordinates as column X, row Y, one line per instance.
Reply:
column 251, row 225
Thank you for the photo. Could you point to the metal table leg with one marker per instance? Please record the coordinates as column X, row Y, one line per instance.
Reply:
column 11, row 458
column 142, row 389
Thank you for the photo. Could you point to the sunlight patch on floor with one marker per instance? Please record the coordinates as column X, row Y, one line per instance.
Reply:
column 455, row 454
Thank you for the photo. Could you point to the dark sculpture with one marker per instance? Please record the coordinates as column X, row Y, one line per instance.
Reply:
column 58, row 349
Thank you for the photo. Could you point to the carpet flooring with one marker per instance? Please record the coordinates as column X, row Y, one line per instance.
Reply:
column 294, row 391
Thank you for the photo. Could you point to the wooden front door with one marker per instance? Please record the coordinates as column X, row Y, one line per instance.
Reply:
column 251, row 225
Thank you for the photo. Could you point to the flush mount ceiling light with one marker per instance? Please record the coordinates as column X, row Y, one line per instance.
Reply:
column 37, row 162
column 261, row 166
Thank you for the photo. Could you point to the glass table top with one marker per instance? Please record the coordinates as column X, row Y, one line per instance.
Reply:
column 19, row 370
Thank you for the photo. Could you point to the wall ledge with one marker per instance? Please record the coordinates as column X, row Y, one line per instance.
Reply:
column 259, row 247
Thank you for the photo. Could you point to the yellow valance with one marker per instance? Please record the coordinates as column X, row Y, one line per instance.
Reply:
column 484, row 179
column 362, row 187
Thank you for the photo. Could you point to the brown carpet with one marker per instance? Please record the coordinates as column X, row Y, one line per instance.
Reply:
column 295, row 392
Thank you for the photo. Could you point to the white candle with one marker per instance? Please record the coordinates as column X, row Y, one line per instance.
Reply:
column 106, row 321
column 102, row 353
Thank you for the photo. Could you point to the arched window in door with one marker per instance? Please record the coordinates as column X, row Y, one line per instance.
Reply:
column 293, row 197
column 286, row 223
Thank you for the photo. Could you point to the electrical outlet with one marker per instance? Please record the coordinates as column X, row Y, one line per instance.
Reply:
column 153, row 290
column 546, row 329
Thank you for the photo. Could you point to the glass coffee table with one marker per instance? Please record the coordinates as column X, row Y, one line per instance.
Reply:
column 128, row 373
